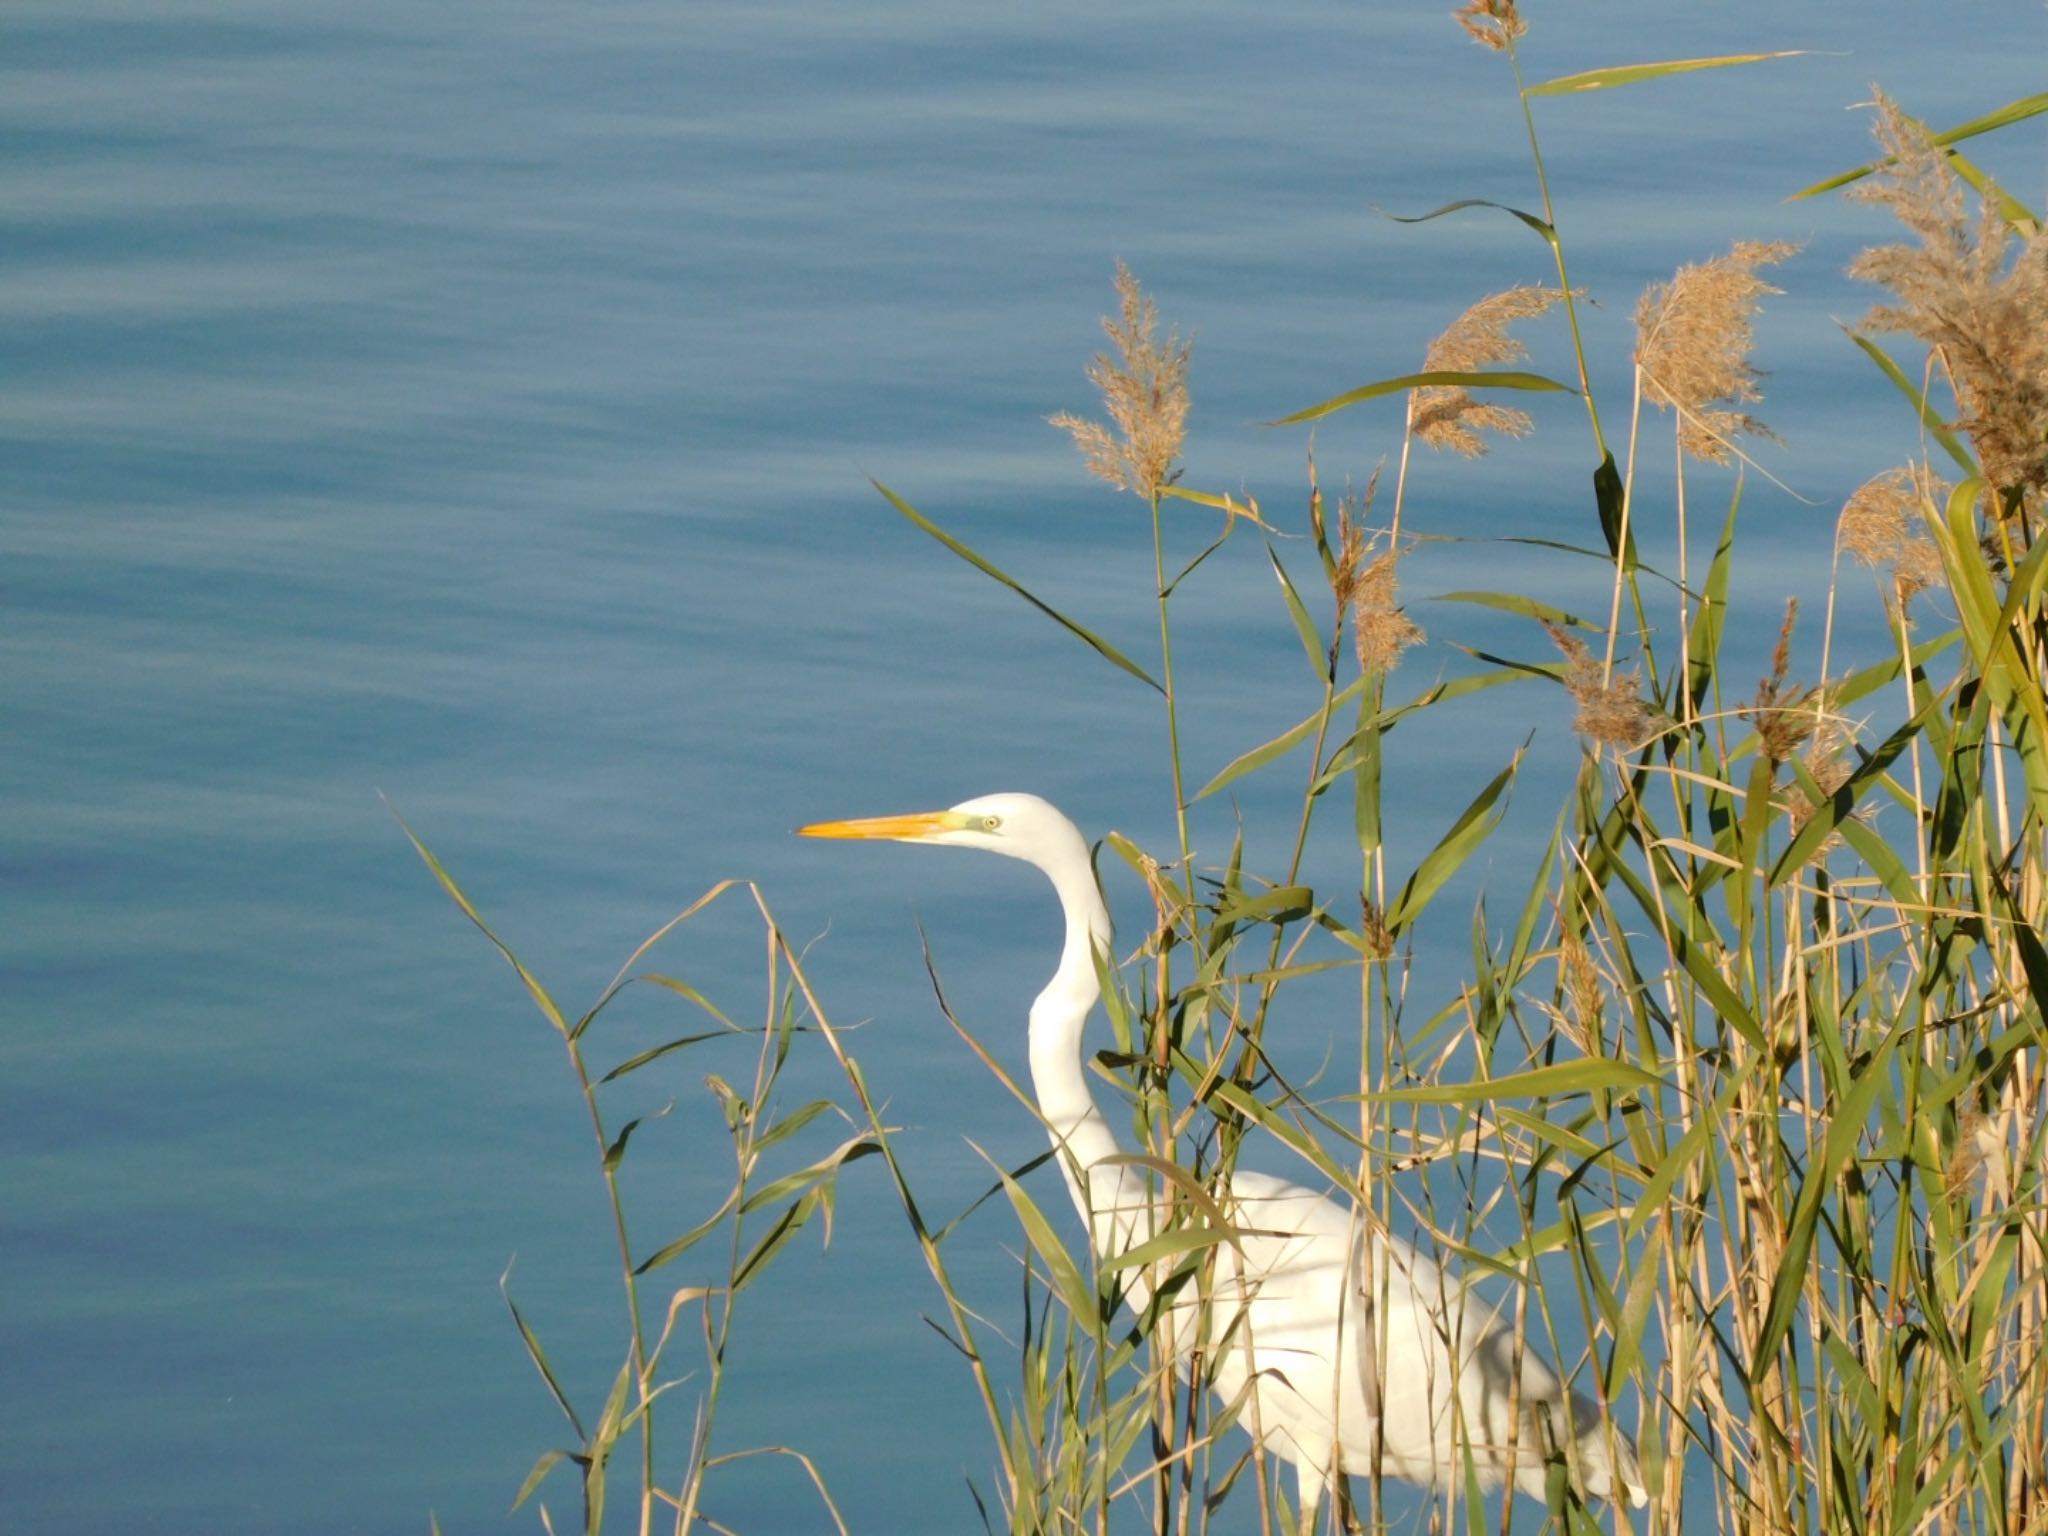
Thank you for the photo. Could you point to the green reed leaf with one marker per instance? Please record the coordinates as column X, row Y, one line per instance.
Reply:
column 1321, row 657
column 1514, row 602
column 538, row 1355
column 1704, row 641
column 1504, row 379
column 1634, row 74
column 1553, row 1081
column 1073, row 1290
column 534, row 989
column 1929, row 417
column 541, row 1468
column 635, row 1063
column 1277, row 748
column 1845, row 1130
column 689, row 1239
column 1541, row 226
column 1087, row 636
column 1452, row 850
column 616, row 1152
column 2012, row 112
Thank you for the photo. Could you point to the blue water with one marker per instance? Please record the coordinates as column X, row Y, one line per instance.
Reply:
column 472, row 405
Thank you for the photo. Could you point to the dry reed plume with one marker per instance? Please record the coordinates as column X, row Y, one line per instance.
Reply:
column 1366, row 585
column 1446, row 415
column 1784, row 714
column 1879, row 525
column 1985, row 319
column 1145, row 390
column 1495, row 23
column 1610, row 709
column 1693, row 338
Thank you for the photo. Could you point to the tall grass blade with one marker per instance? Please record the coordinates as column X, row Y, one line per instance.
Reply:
column 1554, row 1081
column 539, row 1356
column 1087, row 636
column 1929, row 417
column 534, row 989
column 1321, row 657
column 1502, row 379
column 1456, row 846
column 2012, row 112
column 1540, row 225
column 1634, row 74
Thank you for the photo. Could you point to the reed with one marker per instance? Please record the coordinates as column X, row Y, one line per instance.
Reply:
column 1741, row 1098
column 1744, row 1102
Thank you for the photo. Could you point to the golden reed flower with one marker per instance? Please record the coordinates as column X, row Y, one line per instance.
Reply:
column 1693, row 337
column 1986, row 319
column 1610, row 709
column 1366, row 585
column 1495, row 23
column 1446, row 415
column 1879, row 524
column 1784, row 714
column 1145, row 390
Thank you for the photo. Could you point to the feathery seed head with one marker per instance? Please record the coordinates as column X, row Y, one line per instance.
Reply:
column 1879, row 526
column 1579, row 980
column 1784, row 714
column 1494, row 23
column 1611, row 709
column 1366, row 585
column 1446, row 416
column 1693, row 338
column 1827, row 760
column 1987, row 319
column 1145, row 390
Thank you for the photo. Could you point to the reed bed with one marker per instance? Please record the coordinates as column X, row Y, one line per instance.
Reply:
column 1739, row 1099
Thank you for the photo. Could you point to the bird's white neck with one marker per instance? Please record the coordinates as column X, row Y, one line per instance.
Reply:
column 1081, row 1137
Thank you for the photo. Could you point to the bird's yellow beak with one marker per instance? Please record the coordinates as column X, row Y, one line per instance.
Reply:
column 906, row 829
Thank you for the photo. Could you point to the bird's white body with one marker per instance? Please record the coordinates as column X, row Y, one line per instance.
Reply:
column 1349, row 1340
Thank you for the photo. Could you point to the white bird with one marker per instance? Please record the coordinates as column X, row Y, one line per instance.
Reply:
column 1292, row 1301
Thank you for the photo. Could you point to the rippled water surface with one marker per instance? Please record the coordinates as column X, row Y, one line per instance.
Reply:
column 473, row 405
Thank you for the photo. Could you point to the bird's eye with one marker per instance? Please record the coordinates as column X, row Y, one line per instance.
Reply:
column 991, row 823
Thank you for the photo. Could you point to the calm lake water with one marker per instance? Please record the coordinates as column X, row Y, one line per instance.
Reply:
column 472, row 404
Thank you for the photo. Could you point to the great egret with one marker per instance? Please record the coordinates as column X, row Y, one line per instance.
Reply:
column 1293, row 1298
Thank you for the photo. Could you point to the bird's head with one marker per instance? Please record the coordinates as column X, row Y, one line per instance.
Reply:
column 1019, row 826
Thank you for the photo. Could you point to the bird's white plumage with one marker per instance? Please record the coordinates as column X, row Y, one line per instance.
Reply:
column 1336, row 1385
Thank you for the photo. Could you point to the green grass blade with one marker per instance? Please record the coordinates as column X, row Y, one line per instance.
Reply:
column 2011, row 112
column 689, row 1239
column 1271, row 751
column 1505, row 379
column 616, row 1152
column 1929, row 417
column 1553, row 1081
column 539, row 1356
column 1320, row 656
column 1087, row 636
column 1541, row 226
column 1511, row 602
column 635, row 1063
column 534, row 989
column 541, row 1468
column 1073, row 1290
column 1845, row 1130
column 2011, row 209
column 1452, row 850
column 1704, row 643
column 1633, row 74
column 1171, row 1245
